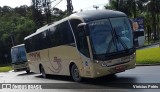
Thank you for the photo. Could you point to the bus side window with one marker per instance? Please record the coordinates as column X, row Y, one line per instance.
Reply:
column 51, row 36
column 43, row 40
column 29, row 45
column 56, row 36
column 74, row 24
column 66, row 33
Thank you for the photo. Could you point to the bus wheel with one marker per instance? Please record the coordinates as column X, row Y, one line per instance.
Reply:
column 28, row 71
column 75, row 73
column 43, row 72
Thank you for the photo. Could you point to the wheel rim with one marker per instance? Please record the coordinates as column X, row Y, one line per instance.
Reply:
column 75, row 73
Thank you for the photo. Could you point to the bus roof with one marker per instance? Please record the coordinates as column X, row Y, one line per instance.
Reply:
column 18, row 45
column 88, row 15
column 91, row 15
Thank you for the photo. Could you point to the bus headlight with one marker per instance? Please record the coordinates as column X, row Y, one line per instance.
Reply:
column 132, row 56
column 98, row 62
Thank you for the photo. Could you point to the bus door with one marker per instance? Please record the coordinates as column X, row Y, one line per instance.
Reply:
column 84, row 49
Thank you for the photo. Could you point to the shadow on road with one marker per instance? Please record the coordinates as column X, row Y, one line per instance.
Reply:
column 24, row 74
column 56, row 77
column 111, row 81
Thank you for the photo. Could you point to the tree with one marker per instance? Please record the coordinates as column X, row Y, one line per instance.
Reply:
column 149, row 9
column 153, row 7
column 22, row 10
column 37, row 16
column 15, row 24
column 58, row 14
column 129, row 7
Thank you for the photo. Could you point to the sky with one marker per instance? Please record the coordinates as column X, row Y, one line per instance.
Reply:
column 77, row 4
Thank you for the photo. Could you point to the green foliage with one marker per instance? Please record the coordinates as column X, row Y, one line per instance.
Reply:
column 43, row 13
column 148, row 56
column 5, row 68
column 149, row 9
column 58, row 14
column 15, row 23
column 19, row 22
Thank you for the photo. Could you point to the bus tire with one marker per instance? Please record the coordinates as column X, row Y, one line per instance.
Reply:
column 28, row 71
column 44, row 75
column 75, row 73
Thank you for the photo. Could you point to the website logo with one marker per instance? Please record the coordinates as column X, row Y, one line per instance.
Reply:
column 6, row 86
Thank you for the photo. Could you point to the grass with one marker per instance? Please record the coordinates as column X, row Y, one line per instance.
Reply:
column 5, row 68
column 148, row 56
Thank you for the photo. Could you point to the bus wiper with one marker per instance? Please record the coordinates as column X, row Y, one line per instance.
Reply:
column 109, row 47
column 120, row 39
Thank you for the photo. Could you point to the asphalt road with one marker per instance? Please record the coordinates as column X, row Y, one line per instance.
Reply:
column 121, row 82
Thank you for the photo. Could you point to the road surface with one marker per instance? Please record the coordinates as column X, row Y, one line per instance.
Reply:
column 121, row 82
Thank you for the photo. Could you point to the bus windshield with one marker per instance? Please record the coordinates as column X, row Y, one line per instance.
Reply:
column 18, row 54
column 110, row 35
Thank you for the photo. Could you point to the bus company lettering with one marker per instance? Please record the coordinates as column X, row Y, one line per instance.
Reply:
column 56, row 65
column 35, row 56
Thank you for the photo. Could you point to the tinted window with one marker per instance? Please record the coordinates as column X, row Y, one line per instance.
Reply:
column 42, row 40
column 60, row 34
column 74, row 24
column 29, row 45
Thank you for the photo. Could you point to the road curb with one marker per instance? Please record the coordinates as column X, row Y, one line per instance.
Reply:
column 11, row 71
column 148, row 64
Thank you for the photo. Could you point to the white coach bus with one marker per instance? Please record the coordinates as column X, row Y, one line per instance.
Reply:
column 88, row 44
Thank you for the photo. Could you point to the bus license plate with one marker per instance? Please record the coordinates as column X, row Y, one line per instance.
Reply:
column 119, row 68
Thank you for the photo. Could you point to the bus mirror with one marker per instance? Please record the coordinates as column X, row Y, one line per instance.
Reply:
column 83, row 28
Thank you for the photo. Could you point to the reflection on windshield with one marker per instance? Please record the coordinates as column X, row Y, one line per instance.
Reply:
column 110, row 36
column 123, row 32
column 101, row 36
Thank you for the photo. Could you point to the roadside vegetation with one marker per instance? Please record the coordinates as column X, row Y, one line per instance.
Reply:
column 148, row 56
column 5, row 68
column 19, row 22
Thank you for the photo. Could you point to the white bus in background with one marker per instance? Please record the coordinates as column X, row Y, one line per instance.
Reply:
column 86, row 44
column 139, row 37
column 19, row 59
